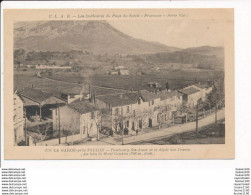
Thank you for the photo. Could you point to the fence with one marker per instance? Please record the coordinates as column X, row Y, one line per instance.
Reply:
column 64, row 140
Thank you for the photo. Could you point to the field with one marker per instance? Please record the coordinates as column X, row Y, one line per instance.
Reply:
column 24, row 79
column 67, row 80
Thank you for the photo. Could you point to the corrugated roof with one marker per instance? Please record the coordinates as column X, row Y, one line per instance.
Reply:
column 189, row 90
column 82, row 106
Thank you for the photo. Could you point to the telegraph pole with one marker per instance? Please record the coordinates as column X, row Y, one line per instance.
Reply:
column 197, row 118
column 122, row 120
column 216, row 110
column 25, row 128
column 59, row 132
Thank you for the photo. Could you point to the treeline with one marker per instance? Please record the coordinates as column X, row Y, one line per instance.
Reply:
column 200, row 61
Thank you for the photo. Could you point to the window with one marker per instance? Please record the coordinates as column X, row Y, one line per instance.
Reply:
column 92, row 115
column 127, row 123
column 116, row 110
column 139, row 101
column 152, row 102
column 128, row 109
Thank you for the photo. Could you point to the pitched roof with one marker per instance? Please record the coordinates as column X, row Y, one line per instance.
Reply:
column 169, row 94
column 28, row 102
column 119, row 99
column 82, row 106
column 201, row 86
column 35, row 94
column 147, row 96
column 189, row 90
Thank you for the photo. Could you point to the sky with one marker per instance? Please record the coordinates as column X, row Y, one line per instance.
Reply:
column 177, row 33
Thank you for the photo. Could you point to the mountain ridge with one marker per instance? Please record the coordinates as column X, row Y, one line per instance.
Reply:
column 98, row 37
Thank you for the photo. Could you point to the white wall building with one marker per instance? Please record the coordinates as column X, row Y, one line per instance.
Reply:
column 18, row 119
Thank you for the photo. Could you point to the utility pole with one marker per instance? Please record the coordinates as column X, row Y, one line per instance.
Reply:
column 197, row 118
column 25, row 128
column 122, row 120
column 59, row 131
column 216, row 110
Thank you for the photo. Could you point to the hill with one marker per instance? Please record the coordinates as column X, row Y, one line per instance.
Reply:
column 98, row 37
column 205, row 57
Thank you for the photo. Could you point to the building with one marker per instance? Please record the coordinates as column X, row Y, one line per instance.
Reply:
column 119, row 70
column 79, row 117
column 154, row 87
column 38, row 104
column 170, row 102
column 191, row 95
column 118, row 67
column 51, row 67
column 114, row 72
column 75, row 93
column 122, row 110
column 204, row 90
column 147, row 110
column 123, row 72
column 18, row 119
column 139, row 110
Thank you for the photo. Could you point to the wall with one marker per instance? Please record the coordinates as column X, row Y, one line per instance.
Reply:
column 53, row 142
column 70, row 98
column 69, row 119
column 193, row 98
column 88, row 125
column 18, row 119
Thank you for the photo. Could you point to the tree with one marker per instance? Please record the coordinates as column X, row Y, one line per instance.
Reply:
column 98, row 118
column 42, row 131
column 215, row 98
column 142, row 115
column 161, row 114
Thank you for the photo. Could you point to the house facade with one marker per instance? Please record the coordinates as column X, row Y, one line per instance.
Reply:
column 18, row 119
column 122, row 110
column 204, row 89
column 191, row 95
column 79, row 117
column 171, row 101
column 139, row 110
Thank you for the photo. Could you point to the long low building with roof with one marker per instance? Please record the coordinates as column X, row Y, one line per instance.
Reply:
column 38, row 104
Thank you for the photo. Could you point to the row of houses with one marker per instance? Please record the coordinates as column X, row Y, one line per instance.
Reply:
column 84, row 113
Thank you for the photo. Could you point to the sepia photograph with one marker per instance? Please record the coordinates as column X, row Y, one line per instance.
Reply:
column 121, row 78
column 101, row 82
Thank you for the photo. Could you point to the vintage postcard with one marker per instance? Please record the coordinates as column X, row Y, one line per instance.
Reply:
column 119, row 84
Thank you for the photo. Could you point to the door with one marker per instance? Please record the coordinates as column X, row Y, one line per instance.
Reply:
column 150, row 122
column 140, row 124
column 133, row 127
